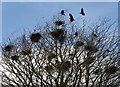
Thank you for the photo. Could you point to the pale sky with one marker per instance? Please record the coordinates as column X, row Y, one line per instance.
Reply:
column 16, row 15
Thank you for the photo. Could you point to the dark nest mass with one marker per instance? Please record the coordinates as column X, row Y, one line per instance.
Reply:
column 91, row 48
column 35, row 37
column 8, row 47
column 111, row 69
column 88, row 60
column 64, row 66
column 15, row 57
column 58, row 34
column 78, row 44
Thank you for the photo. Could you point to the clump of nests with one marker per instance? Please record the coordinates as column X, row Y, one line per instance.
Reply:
column 8, row 47
column 35, row 37
column 58, row 34
column 111, row 69
column 59, row 22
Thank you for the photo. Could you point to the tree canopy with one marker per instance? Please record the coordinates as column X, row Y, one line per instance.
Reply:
column 63, row 53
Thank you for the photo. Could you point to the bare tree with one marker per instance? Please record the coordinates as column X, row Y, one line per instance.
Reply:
column 62, row 54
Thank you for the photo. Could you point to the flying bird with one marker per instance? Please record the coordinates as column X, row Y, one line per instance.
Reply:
column 82, row 12
column 62, row 12
column 71, row 18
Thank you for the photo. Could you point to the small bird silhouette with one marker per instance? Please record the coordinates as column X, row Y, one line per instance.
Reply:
column 82, row 12
column 71, row 18
column 62, row 12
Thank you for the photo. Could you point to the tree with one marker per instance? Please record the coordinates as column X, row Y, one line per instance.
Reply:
column 62, row 54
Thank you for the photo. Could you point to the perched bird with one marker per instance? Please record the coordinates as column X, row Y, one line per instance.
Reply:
column 62, row 12
column 95, row 35
column 71, row 18
column 82, row 12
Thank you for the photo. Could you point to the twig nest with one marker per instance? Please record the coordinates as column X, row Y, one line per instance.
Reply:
column 35, row 37
column 58, row 23
column 88, row 47
column 26, row 52
column 111, row 69
column 78, row 44
column 62, row 38
column 8, row 47
column 58, row 34
column 65, row 66
column 58, row 66
column 97, row 71
column 91, row 48
column 51, row 56
column 89, row 60
column 15, row 57
column 49, row 68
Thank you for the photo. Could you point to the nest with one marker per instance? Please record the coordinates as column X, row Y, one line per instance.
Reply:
column 58, row 23
column 58, row 34
column 111, row 69
column 49, row 68
column 26, row 52
column 35, row 37
column 89, row 60
column 62, row 38
column 8, row 47
column 51, row 56
column 65, row 66
column 97, row 71
column 15, row 57
column 78, row 44
column 58, row 66
column 90, row 48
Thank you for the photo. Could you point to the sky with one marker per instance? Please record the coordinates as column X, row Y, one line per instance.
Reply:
column 60, row 0
column 17, row 16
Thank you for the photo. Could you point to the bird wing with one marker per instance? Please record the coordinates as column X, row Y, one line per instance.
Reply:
column 70, row 15
column 82, row 10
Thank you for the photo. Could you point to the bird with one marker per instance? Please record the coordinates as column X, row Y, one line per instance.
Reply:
column 82, row 12
column 62, row 12
column 71, row 18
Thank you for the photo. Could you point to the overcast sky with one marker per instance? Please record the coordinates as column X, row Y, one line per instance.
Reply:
column 16, row 16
